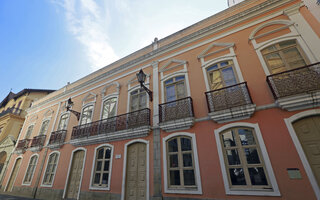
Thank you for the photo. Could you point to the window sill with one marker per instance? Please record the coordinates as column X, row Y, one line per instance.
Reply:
column 99, row 188
column 183, row 190
column 253, row 192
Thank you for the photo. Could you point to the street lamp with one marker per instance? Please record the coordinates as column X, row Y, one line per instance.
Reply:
column 69, row 105
column 141, row 76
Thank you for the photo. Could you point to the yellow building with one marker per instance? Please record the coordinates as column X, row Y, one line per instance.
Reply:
column 12, row 115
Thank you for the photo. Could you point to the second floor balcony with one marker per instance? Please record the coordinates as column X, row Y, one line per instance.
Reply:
column 176, row 115
column 297, row 88
column 14, row 111
column 129, row 125
column 22, row 146
column 230, row 103
column 57, row 139
column 37, row 142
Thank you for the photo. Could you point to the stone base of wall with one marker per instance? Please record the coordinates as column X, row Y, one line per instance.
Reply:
column 22, row 191
column 99, row 195
column 48, row 193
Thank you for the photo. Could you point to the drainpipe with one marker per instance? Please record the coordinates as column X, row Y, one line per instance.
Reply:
column 34, row 193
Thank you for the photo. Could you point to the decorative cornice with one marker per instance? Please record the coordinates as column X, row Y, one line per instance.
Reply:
column 223, row 24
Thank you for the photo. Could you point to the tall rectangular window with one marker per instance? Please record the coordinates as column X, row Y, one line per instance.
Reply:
column 63, row 122
column 175, row 88
column 138, row 100
column 221, row 75
column 44, row 127
column 50, row 169
column 109, row 108
column 86, row 116
column 29, row 131
column 102, row 167
column 30, row 170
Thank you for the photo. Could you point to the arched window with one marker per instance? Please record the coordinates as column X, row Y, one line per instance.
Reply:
column 175, row 88
column 283, row 56
column 243, row 159
column 63, row 122
column 221, row 75
column 138, row 100
column 86, row 116
column 109, row 108
column 50, row 169
column 44, row 127
column 29, row 131
column 102, row 168
column 30, row 170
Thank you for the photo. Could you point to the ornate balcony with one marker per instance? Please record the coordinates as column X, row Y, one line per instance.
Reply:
column 176, row 115
column 14, row 111
column 37, row 142
column 298, row 88
column 57, row 139
column 129, row 125
column 230, row 103
column 22, row 146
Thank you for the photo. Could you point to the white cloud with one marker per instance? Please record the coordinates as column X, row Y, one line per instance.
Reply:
column 89, row 26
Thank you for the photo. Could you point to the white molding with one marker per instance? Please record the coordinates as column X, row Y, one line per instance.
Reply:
column 275, row 190
column 104, row 89
column 87, row 97
column 43, row 120
column 196, row 165
column 289, row 121
column 15, row 162
column 33, row 155
column 125, row 167
column 48, row 113
column 69, row 168
column 230, row 56
column 33, row 124
column 55, row 170
column 166, row 68
column 287, row 23
column 93, row 167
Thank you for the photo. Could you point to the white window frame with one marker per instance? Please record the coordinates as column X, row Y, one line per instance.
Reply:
column 83, row 107
column 264, row 154
column 55, row 170
column 293, row 35
column 69, row 168
column 133, row 85
column 67, row 121
column 33, row 124
column 45, row 119
column 93, row 167
column 231, row 56
column 132, row 89
column 106, row 98
column 196, row 165
column 289, row 121
column 29, row 183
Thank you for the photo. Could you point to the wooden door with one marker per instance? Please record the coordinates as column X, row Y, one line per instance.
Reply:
column 14, row 174
column 136, row 172
column 75, row 175
column 308, row 132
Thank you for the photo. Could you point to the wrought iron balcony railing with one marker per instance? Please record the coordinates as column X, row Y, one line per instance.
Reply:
column 297, row 81
column 38, row 141
column 118, row 123
column 228, row 97
column 173, row 110
column 23, row 144
column 57, row 137
column 15, row 111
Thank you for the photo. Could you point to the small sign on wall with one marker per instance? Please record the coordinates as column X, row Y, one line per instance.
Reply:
column 294, row 173
column 118, row 156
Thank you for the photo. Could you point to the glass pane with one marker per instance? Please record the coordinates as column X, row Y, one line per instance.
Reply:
column 170, row 93
column 293, row 58
column 257, row 176
column 50, row 178
column 134, row 103
column 142, row 102
column 105, row 177
column 275, row 63
column 269, row 49
column 174, row 177
column 233, row 157
column 228, row 139
column 180, row 90
column 173, row 145
column 97, row 178
column 252, row 156
column 173, row 160
column 287, row 43
column 246, row 137
column 100, row 153
column 214, row 67
column 106, row 165
column 169, row 81
column 185, row 144
column 188, row 176
column 228, row 76
column 222, row 64
column 237, row 176
column 179, row 78
column 187, row 160
column 99, row 164
column 108, row 154
column 215, row 80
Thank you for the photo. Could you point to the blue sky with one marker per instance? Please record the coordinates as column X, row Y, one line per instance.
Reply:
column 46, row 43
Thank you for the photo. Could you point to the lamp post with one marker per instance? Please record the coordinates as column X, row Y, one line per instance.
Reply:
column 69, row 105
column 141, row 76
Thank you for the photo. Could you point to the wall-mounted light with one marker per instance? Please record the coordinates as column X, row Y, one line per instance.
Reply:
column 141, row 76
column 69, row 105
